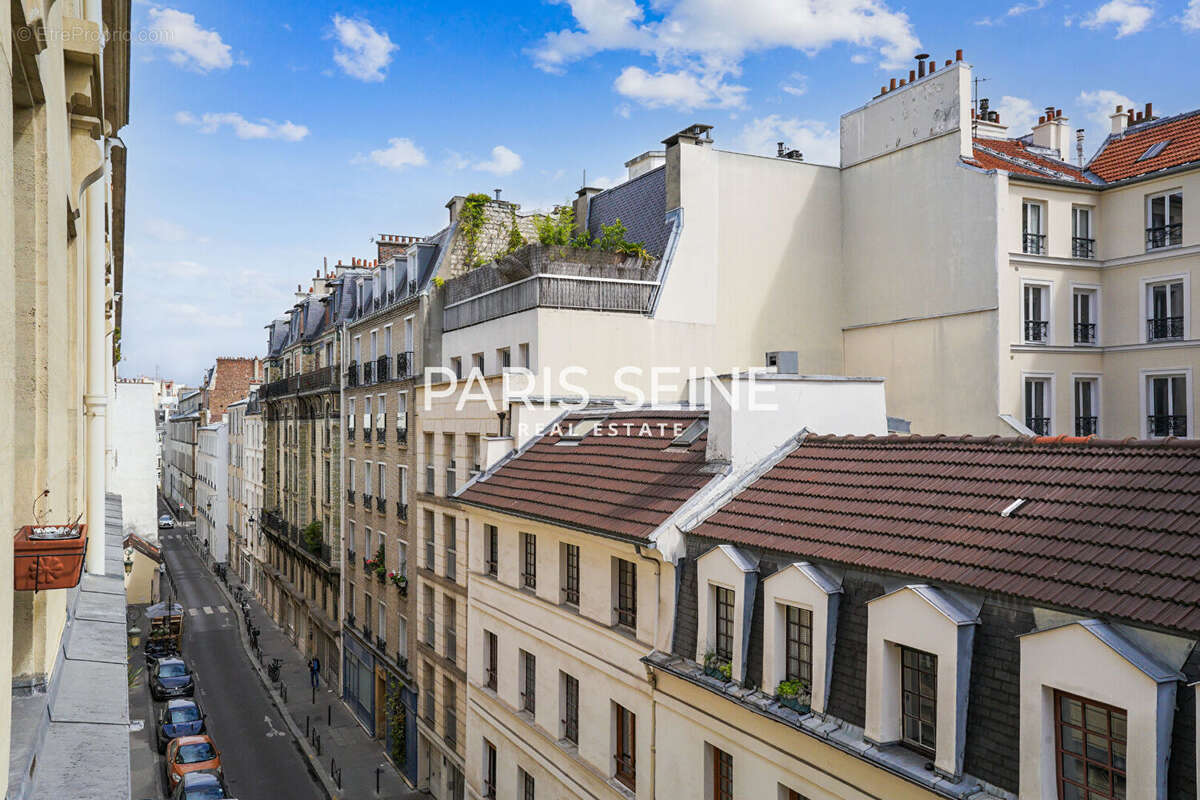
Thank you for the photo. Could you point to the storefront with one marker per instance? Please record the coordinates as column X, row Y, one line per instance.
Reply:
column 401, row 733
column 358, row 684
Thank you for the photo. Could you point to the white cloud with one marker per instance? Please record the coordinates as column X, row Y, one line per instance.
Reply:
column 502, row 162
column 796, row 85
column 1130, row 16
column 1018, row 114
column 698, row 44
column 1191, row 16
column 399, row 153
column 1013, row 11
column 170, row 232
column 188, row 44
column 364, row 52
column 816, row 140
column 1098, row 106
column 243, row 128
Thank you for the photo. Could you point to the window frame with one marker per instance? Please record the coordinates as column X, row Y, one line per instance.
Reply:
column 625, row 606
column 1045, row 311
column 624, row 746
column 1092, row 292
column 801, row 662
column 491, row 550
column 1147, row 378
column 722, row 773
column 724, row 605
column 1147, row 308
column 906, row 671
column 1086, row 735
column 528, row 577
column 1094, row 379
column 1046, row 379
column 570, row 703
column 1083, row 241
column 1165, row 196
column 1026, row 232
column 570, row 574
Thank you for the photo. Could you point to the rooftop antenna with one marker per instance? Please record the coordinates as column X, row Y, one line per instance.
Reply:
column 584, row 184
column 975, row 102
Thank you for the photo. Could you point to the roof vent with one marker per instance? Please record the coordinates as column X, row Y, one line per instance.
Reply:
column 575, row 431
column 690, row 434
column 785, row 361
column 1154, row 150
column 1012, row 507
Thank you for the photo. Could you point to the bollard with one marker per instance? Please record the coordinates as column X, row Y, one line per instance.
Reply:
column 318, row 744
column 329, row 716
column 306, row 724
column 377, row 780
column 314, row 695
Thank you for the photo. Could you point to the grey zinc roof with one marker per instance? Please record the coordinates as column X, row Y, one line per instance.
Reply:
column 641, row 205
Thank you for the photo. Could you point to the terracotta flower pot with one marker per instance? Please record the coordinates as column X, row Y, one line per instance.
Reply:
column 48, row 557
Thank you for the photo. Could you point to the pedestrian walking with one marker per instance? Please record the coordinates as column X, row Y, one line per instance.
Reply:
column 314, row 671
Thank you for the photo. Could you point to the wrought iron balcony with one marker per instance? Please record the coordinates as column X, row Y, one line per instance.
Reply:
column 401, row 510
column 382, row 365
column 1083, row 248
column 350, row 434
column 380, row 505
column 1034, row 244
column 1164, row 236
column 1085, row 333
column 366, row 433
column 368, row 372
column 316, row 380
column 1161, row 328
column 1087, row 426
column 404, row 365
column 1039, row 425
column 1036, row 330
column 402, row 433
column 1166, row 425
column 352, row 374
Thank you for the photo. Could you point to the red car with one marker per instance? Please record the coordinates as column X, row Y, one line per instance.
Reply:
column 189, row 754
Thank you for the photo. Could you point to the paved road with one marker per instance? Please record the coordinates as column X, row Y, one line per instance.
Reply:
column 260, row 759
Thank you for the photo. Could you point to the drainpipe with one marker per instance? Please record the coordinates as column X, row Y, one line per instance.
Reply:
column 651, row 677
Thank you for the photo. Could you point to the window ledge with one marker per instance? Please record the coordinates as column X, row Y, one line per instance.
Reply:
column 837, row 733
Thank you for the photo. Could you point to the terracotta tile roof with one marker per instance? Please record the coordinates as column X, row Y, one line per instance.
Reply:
column 1015, row 156
column 1108, row 528
column 1118, row 156
column 624, row 484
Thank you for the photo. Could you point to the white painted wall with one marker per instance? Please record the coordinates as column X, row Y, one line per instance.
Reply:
column 135, row 457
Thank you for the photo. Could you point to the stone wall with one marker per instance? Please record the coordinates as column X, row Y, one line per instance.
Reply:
column 492, row 237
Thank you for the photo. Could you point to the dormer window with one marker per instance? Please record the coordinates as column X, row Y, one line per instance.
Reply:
column 728, row 579
column 800, row 604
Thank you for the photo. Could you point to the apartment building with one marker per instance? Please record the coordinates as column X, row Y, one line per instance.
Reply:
column 62, row 222
column 245, row 489
column 212, row 490
column 179, row 453
column 766, row 610
column 390, row 305
column 301, row 503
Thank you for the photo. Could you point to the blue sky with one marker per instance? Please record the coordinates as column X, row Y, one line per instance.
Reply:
column 265, row 137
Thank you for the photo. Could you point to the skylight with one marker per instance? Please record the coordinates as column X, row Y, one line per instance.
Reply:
column 1154, row 149
column 690, row 434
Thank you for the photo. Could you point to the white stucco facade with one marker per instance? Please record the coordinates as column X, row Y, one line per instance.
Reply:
column 212, row 498
column 135, row 456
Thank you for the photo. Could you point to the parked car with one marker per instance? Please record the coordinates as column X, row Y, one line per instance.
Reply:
column 201, row 785
column 166, row 521
column 170, row 677
column 179, row 718
column 190, row 754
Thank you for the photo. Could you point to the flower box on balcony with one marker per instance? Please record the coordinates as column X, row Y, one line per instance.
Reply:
column 794, row 695
column 48, row 557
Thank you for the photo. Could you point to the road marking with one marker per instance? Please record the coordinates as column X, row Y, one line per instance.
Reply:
column 208, row 609
column 271, row 727
column 193, row 611
column 223, row 609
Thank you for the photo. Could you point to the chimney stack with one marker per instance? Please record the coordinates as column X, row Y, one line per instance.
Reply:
column 1149, row 111
column 1051, row 132
column 779, row 146
column 1079, row 146
column 497, row 191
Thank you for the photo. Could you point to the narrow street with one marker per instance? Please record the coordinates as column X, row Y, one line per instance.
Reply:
column 259, row 757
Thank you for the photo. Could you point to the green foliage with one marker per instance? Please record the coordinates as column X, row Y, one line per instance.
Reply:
column 396, row 719
column 713, row 662
column 378, row 564
column 470, row 223
column 612, row 236
column 439, row 281
column 584, row 241
column 556, row 228
column 791, row 688
column 312, row 537
column 515, row 239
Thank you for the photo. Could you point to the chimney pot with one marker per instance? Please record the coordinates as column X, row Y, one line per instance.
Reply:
column 893, row 84
column 1120, row 108
column 1149, row 111
column 1041, row 120
column 947, row 63
column 883, row 90
column 912, row 75
column 1139, row 116
column 903, row 82
column 958, row 55
column 1057, row 113
column 497, row 191
column 932, row 66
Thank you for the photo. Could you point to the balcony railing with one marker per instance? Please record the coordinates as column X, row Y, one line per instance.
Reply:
column 489, row 678
column 1164, row 236
column 368, row 372
column 402, row 434
column 1034, row 244
column 404, row 365
column 401, row 510
column 366, row 433
column 350, row 434
column 380, row 504
column 1083, row 248
column 1039, row 425
column 1085, row 333
column 350, row 496
column 380, row 430
column 321, row 378
column 451, row 482
column 381, row 368
column 1161, row 328
column 279, row 388
column 550, row 291
column 1166, row 425
column 1087, row 426
column 366, row 501
column 1036, row 330
column 352, row 374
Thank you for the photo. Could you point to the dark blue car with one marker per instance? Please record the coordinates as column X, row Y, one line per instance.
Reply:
column 179, row 718
column 203, row 785
column 170, row 677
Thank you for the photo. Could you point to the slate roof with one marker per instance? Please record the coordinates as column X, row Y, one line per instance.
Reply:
column 1118, row 156
column 1016, row 156
column 1112, row 528
column 625, row 484
column 641, row 205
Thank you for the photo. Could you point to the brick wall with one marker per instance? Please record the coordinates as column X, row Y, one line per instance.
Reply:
column 392, row 245
column 231, row 383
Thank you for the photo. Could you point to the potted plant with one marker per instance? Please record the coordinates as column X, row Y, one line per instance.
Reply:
column 794, row 695
column 717, row 667
column 378, row 565
column 399, row 581
column 48, row 556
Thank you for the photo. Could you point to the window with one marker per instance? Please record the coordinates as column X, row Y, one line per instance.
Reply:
column 523, row 354
column 1090, row 742
column 381, row 488
column 1037, row 405
column 1083, row 245
column 450, row 536
column 1165, row 301
column 474, row 454
column 350, row 419
column 350, row 479
column 1083, row 303
column 477, row 363
column 528, row 682
column 489, row 770
column 456, row 367
column 450, row 712
column 1087, row 417
column 528, row 561
column 570, row 579
column 429, row 621
column 570, row 704
column 1033, row 235
column 503, row 358
column 402, row 488
column 918, row 697
column 491, row 657
column 722, row 774
column 798, row 644
column 429, row 467
column 626, row 594
column 450, row 617
column 430, row 550
column 525, row 784
column 448, row 442
column 381, row 624
column 368, row 476
column 366, row 419
column 491, row 549
column 1164, row 219
column 1167, row 405
column 625, row 750
column 723, row 608
column 402, row 417
column 1037, row 316
column 381, row 416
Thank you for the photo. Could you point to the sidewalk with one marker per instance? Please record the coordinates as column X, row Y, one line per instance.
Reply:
column 344, row 745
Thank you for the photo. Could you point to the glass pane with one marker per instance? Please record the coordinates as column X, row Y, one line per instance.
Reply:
column 927, row 735
column 1097, row 777
column 1097, row 719
column 1071, row 711
column 1118, row 725
column 1178, row 396
column 910, row 658
column 1097, row 748
column 1119, row 787
column 1118, row 755
column 1072, row 792
column 1072, row 768
column 1175, row 216
column 1157, row 212
column 1072, row 740
column 911, row 704
column 912, row 729
column 929, row 712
